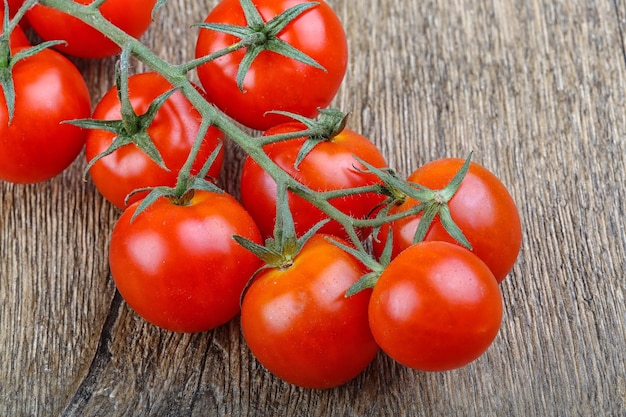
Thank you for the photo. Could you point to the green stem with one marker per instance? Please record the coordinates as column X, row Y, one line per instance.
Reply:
column 176, row 75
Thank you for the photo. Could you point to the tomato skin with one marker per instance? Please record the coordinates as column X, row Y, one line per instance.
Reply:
column 482, row 207
column 36, row 146
column 436, row 307
column 274, row 82
column 178, row 266
column 173, row 132
column 133, row 17
column 329, row 166
column 298, row 323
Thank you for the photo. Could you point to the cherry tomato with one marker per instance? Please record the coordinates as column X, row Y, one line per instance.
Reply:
column 36, row 146
column 436, row 307
column 173, row 132
column 133, row 17
column 482, row 208
column 274, row 82
column 298, row 323
column 178, row 267
column 329, row 166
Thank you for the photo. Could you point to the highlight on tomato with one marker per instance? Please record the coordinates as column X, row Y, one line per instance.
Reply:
column 176, row 263
column 299, row 324
column 83, row 41
column 435, row 307
column 172, row 131
column 482, row 208
column 330, row 165
column 295, row 66
column 35, row 144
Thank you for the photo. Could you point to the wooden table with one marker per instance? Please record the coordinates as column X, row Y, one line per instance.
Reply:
column 535, row 88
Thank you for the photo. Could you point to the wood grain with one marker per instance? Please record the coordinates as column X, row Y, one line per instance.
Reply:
column 535, row 88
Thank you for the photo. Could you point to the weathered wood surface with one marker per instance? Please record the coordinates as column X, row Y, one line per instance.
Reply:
column 536, row 88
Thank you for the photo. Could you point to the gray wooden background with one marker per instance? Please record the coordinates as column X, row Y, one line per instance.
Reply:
column 536, row 88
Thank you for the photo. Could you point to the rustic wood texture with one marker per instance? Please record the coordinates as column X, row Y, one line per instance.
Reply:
column 536, row 88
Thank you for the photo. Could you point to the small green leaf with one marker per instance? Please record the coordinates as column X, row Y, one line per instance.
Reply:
column 264, row 253
column 251, row 53
column 144, row 142
column 211, row 159
column 159, row 4
column 428, row 215
column 448, row 192
column 198, row 183
column 368, row 280
column 113, row 126
column 305, row 149
column 153, row 196
column 363, row 257
column 278, row 23
column 146, row 119
column 117, row 143
column 253, row 17
column 385, row 256
column 234, row 30
column 283, row 48
column 451, row 227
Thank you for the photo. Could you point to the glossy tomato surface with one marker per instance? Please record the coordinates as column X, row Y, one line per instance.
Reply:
column 133, row 17
column 36, row 145
column 178, row 267
column 274, row 82
column 482, row 207
column 331, row 165
column 173, row 131
column 436, row 307
column 299, row 324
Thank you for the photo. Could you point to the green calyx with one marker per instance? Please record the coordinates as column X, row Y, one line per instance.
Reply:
column 329, row 124
column 432, row 203
column 131, row 128
column 186, row 184
column 280, row 250
column 258, row 36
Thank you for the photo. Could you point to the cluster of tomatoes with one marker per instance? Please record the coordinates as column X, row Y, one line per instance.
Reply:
column 315, row 309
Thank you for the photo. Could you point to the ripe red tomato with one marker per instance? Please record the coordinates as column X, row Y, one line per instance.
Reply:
column 133, row 17
column 36, row 146
column 329, row 166
column 173, row 132
column 178, row 267
column 299, row 324
column 274, row 82
column 436, row 307
column 482, row 208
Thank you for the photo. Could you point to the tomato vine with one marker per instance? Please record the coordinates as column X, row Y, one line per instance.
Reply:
column 184, row 225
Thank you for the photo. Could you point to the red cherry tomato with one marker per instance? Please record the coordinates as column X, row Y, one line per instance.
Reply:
column 436, row 307
column 274, row 82
column 133, row 17
column 482, row 208
column 299, row 324
column 178, row 267
column 329, row 166
column 173, row 132
column 37, row 146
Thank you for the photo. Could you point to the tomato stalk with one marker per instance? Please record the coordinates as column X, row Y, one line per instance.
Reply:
column 176, row 75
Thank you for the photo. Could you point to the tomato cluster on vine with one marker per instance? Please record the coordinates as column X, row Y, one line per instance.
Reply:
column 328, row 255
